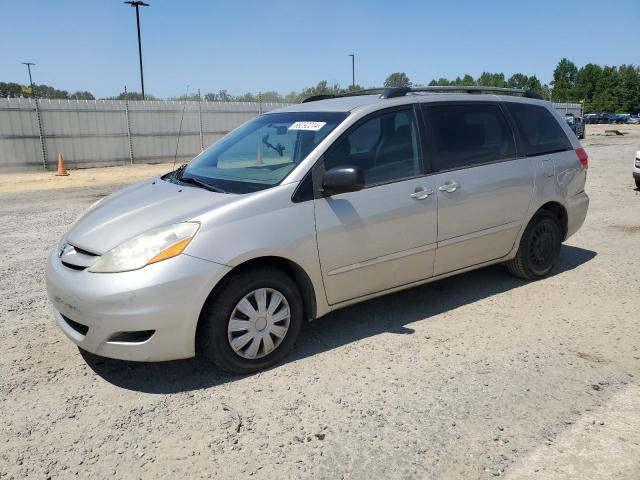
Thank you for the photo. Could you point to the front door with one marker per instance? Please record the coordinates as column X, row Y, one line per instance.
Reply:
column 385, row 235
column 483, row 189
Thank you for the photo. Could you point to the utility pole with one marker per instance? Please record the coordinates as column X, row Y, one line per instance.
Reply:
column 29, row 64
column 353, row 70
column 137, row 5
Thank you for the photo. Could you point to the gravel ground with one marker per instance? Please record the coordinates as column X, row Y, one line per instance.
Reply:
column 476, row 376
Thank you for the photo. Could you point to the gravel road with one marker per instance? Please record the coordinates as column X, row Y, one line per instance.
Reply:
column 476, row 376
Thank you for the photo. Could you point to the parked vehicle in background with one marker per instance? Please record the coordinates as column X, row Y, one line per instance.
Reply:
column 619, row 118
column 636, row 169
column 576, row 125
column 633, row 119
column 313, row 207
column 592, row 118
column 606, row 117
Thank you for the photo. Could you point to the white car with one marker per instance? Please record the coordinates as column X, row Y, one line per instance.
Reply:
column 636, row 169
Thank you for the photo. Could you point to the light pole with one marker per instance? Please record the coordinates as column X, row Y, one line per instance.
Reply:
column 137, row 5
column 353, row 70
column 28, row 64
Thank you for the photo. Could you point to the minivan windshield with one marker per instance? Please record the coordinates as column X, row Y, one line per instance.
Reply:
column 262, row 152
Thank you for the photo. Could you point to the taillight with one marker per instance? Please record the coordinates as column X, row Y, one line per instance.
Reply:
column 583, row 157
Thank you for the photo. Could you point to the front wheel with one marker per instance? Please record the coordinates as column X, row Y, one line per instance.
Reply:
column 539, row 247
column 638, row 183
column 251, row 321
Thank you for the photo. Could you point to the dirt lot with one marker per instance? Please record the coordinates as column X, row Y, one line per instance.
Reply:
column 476, row 376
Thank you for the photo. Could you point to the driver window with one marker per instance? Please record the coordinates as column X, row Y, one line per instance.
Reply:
column 385, row 147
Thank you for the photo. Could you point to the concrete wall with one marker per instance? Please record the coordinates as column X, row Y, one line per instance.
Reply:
column 91, row 133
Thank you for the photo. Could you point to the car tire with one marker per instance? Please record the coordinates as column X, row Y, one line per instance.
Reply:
column 216, row 333
column 539, row 247
column 638, row 183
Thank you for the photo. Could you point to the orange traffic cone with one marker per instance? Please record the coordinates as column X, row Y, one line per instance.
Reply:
column 62, row 170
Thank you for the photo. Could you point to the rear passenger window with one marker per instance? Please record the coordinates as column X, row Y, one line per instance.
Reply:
column 385, row 147
column 539, row 130
column 466, row 135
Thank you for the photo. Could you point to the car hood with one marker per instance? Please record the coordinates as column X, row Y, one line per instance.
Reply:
column 138, row 208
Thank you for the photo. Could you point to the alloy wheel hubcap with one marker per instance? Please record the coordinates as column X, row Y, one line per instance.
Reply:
column 259, row 323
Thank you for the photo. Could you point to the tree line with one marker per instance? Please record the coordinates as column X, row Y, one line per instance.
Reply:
column 600, row 88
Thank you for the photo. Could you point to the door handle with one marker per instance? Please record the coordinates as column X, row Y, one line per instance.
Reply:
column 449, row 187
column 421, row 193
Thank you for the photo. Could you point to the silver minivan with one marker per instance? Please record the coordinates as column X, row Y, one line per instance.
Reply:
column 312, row 207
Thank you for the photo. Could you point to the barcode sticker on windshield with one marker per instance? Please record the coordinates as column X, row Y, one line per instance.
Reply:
column 313, row 126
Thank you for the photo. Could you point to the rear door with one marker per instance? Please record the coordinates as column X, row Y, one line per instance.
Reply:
column 382, row 236
column 483, row 188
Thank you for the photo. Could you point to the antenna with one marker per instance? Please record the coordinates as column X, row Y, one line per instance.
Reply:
column 184, row 105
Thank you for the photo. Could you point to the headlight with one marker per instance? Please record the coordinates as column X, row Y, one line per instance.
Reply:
column 150, row 247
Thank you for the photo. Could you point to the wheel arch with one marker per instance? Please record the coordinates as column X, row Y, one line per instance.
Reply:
column 287, row 266
column 560, row 212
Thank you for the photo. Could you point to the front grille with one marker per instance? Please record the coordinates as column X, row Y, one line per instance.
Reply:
column 132, row 337
column 78, row 327
column 73, row 267
column 76, row 258
column 637, row 162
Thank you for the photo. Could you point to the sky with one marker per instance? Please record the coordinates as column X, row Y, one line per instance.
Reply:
column 251, row 46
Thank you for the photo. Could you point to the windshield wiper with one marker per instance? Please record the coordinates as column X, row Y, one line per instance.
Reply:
column 200, row 183
column 177, row 174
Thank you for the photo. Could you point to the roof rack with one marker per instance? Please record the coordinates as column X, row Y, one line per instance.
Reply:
column 394, row 92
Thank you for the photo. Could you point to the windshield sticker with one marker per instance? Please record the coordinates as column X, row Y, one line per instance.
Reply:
column 312, row 126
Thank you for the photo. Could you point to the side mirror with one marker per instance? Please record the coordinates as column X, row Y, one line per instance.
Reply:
column 342, row 180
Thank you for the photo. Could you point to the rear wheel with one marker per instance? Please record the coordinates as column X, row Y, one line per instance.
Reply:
column 251, row 322
column 637, row 182
column 539, row 247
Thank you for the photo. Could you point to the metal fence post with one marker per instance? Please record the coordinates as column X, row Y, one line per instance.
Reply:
column 43, row 146
column 200, row 120
column 126, row 112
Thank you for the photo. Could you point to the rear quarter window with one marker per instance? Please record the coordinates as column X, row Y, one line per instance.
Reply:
column 540, row 132
column 466, row 135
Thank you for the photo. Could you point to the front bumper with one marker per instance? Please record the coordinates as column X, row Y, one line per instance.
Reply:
column 165, row 297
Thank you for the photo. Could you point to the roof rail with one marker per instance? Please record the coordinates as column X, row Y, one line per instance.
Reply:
column 478, row 89
column 315, row 98
column 393, row 92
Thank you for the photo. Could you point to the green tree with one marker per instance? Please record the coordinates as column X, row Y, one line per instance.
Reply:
column 132, row 96
column 628, row 88
column 191, row 97
column 397, row 79
column 45, row 91
column 587, row 81
column 518, row 80
column 535, row 85
column 467, row 80
column 10, row 90
column 564, row 81
column 492, row 80
column 82, row 96
column 441, row 82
